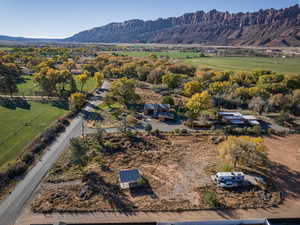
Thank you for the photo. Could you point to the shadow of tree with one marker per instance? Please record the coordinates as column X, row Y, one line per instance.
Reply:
column 15, row 103
column 60, row 104
column 144, row 189
column 287, row 179
column 92, row 116
column 111, row 192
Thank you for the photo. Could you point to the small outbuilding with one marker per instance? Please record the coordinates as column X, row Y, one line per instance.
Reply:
column 130, row 178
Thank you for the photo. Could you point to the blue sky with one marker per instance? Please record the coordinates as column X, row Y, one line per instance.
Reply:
column 63, row 18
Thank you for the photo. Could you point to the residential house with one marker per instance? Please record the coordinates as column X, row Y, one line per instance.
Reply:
column 160, row 111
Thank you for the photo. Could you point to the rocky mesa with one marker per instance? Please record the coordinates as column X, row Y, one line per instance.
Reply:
column 269, row 27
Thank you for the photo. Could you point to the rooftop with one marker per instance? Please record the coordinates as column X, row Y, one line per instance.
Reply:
column 128, row 176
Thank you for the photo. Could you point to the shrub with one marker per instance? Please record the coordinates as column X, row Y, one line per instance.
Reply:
column 28, row 158
column 168, row 100
column 210, row 199
column 148, row 127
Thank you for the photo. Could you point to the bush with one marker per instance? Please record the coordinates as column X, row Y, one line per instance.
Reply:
column 28, row 158
column 225, row 167
column 168, row 100
column 16, row 169
column 184, row 131
column 210, row 199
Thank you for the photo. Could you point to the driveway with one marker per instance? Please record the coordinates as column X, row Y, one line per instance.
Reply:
column 11, row 207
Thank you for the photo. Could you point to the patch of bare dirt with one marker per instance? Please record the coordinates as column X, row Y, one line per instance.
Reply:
column 285, row 154
column 175, row 169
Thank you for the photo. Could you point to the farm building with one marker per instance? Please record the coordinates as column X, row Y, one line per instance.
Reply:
column 130, row 178
column 160, row 111
column 236, row 118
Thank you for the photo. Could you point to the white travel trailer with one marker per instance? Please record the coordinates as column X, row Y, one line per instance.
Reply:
column 230, row 179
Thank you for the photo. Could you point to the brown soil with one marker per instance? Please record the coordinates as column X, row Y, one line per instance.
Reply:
column 175, row 168
column 285, row 153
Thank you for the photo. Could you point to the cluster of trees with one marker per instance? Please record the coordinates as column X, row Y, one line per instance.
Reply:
column 123, row 91
column 152, row 69
column 9, row 74
column 243, row 151
column 258, row 90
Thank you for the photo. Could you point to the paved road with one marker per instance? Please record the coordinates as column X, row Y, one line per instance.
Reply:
column 11, row 207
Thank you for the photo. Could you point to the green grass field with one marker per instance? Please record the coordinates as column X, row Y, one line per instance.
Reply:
column 174, row 54
column 14, row 135
column 5, row 48
column 29, row 88
column 280, row 65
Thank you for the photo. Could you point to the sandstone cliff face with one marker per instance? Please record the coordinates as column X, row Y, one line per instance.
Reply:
column 263, row 28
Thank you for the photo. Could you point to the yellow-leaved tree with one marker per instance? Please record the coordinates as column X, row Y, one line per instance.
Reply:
column 192, row 87
column 99, row 77
column 199, row 102
column 243, row 151
column 76, row 101
column 82, row 78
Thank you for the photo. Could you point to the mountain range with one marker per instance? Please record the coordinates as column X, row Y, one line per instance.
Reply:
column 268, row 27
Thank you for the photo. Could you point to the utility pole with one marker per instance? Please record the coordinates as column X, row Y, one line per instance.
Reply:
column 82, row 129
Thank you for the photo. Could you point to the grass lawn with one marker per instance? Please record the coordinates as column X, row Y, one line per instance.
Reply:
column 280, row 65
column 14, row 135
column 29, row 88
column 174, row 54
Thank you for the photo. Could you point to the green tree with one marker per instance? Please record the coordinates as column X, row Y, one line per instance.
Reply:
column 8, row 78
column 168, row 100
column 123, row 91
column 78, row 150
column 148, row 128
column 171, row 80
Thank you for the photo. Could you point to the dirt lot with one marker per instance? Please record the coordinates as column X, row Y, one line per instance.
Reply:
column 285, row 153
column 175, row 168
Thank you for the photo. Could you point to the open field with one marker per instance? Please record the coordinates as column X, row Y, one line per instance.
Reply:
column 21, row 123
column 280, row 65
column 29, row 88
column 171, row 54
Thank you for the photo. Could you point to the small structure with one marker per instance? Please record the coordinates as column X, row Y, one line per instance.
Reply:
column 252, row 120
column 160, row 111
column 230, row 179
column 236, row 118
column 130, row 178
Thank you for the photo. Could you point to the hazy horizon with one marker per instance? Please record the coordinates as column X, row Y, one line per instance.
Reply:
column 61, row 19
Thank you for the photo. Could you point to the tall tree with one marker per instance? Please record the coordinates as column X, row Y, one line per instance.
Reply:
column 200, row 101
column 82, row 78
